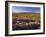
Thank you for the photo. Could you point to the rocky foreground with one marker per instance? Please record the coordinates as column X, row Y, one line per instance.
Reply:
column 25, row 24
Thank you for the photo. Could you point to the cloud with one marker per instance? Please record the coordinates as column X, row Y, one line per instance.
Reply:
column 37, row 11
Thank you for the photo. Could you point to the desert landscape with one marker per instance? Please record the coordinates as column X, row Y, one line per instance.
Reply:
column 25, row 21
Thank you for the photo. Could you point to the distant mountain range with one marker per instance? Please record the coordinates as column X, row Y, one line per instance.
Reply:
column 26, row 12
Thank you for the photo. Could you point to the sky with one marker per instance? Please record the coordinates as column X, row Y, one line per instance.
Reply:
column 21, row 9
